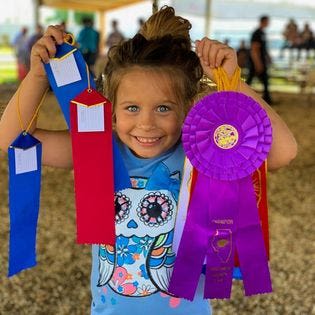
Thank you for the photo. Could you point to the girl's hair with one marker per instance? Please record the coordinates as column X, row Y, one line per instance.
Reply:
column 163, row 44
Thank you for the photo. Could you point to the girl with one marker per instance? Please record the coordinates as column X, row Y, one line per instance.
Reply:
column 152, row 80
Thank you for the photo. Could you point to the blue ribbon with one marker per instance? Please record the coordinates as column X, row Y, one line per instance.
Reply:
column 24, row 197
column 66, row 93
column 161, row 179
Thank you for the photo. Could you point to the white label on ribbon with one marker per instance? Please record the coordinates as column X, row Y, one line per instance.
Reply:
column 90, row 118
column 25, row 160
column 65, row 70
column 183, row 202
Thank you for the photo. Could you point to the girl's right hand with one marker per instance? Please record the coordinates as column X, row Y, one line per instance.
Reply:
column 214, row 54
column 44, row 49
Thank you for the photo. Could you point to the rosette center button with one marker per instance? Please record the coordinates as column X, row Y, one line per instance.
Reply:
column 225, row 136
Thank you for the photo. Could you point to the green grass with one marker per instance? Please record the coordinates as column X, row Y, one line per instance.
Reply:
column 8, row 71
column 6, row 50
column 8, row 75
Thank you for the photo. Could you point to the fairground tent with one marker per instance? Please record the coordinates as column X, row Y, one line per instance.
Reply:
column 100, row 6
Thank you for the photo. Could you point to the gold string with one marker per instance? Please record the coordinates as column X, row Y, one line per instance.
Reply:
column 69, row 39
column 35, row 114
column 18, row 108
column 88, row 78
column 224, row 83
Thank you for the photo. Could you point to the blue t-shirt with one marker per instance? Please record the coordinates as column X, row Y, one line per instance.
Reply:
column 88, row 40
column 134, row 276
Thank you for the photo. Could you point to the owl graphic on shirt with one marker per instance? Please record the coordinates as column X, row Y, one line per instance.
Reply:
column 142, row 260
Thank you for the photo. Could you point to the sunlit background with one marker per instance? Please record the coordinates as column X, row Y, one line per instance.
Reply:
column 233, row 19
column 59, row 284
column 226, row 20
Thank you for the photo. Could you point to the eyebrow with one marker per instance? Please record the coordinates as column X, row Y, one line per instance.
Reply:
column 127, row 102
column 162, row 102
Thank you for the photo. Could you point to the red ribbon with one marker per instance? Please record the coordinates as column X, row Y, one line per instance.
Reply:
column 93, row 173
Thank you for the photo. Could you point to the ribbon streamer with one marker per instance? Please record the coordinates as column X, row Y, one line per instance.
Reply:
column 24, row 198
column 65, row 94
column 226, row 136
column 24, row 155
column 93, row 169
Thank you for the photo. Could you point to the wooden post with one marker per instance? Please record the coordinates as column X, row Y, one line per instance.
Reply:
column 36, row 11
column 102, row 32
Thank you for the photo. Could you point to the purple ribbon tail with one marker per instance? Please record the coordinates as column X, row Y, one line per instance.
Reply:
column 218, row 283
column 223, row 198
column 194, row 243
column 250, row 244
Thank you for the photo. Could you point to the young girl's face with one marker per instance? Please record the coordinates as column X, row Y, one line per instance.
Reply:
column 148, row 116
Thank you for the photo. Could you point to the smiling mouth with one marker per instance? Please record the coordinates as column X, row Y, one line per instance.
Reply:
column 147, row 140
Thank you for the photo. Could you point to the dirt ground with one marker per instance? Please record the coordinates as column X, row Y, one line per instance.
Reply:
column 59, row 284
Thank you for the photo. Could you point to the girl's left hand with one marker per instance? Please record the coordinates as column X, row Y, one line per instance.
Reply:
column 213, row 54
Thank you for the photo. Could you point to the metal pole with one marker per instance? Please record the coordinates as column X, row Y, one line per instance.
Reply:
column 207, row 16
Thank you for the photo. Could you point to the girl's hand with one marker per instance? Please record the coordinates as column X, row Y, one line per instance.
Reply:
column 213, row 54
column 44, row 49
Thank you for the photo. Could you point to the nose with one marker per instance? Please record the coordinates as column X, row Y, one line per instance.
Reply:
column 146, row 120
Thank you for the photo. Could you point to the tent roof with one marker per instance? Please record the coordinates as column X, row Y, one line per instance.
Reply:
column 91, row 5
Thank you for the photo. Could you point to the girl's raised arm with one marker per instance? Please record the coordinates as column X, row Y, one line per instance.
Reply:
column 214, row 54
column 56, row 144
column 284, row 147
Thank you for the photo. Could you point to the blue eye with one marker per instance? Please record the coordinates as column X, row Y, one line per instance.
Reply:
column 132, row 108
column 163, row 108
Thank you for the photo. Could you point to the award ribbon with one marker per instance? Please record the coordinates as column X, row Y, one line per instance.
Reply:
column 226, row 136
column 24, row 155
column 91, row 134
column 72, row 84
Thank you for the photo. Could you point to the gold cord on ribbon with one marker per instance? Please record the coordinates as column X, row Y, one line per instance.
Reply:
column 69, row 39
column 224, row 83
column 88, row 78
column 25, row 131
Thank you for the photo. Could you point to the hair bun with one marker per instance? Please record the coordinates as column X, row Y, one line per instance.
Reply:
column 165, row 22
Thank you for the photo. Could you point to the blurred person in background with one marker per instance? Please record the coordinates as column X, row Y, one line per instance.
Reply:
column 291, row 37
column 35, row 37
column 306, row 40
column 260, row 58
column 88, row 42
column 115, row 36
column 21, row 51
column 243, row 56
column 39, row 32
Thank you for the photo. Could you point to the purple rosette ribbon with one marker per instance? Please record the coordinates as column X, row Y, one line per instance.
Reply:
column 226, row 136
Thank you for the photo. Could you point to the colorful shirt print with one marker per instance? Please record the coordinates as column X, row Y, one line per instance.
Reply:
column 134, row 276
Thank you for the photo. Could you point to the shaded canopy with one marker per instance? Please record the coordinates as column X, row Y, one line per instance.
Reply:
column 91, row 5
column 100, row 6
